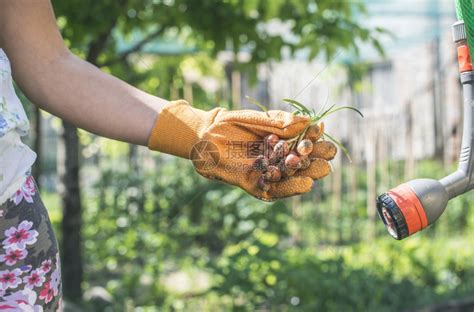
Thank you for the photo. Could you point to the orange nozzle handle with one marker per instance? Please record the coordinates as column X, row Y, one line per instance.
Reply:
column 464, row 58
column 410, row 206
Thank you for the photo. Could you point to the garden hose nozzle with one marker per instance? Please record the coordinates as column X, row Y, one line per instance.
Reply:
column 414, row 205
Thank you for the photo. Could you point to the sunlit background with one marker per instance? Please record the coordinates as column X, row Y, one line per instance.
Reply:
column 151, row 235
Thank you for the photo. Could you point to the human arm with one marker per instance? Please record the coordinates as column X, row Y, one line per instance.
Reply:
column 66, row 86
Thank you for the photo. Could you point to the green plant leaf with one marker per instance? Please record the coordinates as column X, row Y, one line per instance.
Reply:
column 257, row 103
column 346, row 107
column 298, row 105
column 324, row 114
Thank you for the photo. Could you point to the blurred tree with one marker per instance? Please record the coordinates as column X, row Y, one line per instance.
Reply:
column 92, row 29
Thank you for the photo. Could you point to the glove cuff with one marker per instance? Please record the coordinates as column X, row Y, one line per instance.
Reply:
column 178, row 127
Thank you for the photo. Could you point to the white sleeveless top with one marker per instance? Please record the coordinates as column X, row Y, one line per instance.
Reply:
column 16, row 158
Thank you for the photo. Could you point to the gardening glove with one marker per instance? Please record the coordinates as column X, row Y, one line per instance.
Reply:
column 220, row 144
column 322, row 153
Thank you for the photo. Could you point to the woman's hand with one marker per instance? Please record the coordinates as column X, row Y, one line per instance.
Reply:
column 224, row 144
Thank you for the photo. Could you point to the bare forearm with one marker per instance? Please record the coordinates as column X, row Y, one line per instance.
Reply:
column 60, row 83
column 95, row 101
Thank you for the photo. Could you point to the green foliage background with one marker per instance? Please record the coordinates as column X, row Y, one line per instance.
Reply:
column 142, row 228
column 157, row 237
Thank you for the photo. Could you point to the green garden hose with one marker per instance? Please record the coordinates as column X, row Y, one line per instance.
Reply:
column 465, row 12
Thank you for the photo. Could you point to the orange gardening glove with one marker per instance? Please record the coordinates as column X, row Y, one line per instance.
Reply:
column 220, row 144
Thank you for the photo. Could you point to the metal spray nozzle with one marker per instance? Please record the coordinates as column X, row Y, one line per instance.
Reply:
column 414, row 205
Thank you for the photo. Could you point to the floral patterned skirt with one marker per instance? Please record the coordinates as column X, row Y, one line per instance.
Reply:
column 30, row 272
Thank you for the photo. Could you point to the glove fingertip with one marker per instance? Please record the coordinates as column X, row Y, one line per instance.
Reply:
column 291, row 187
column 305, row 184
column 323, row 149
column 318, row 169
